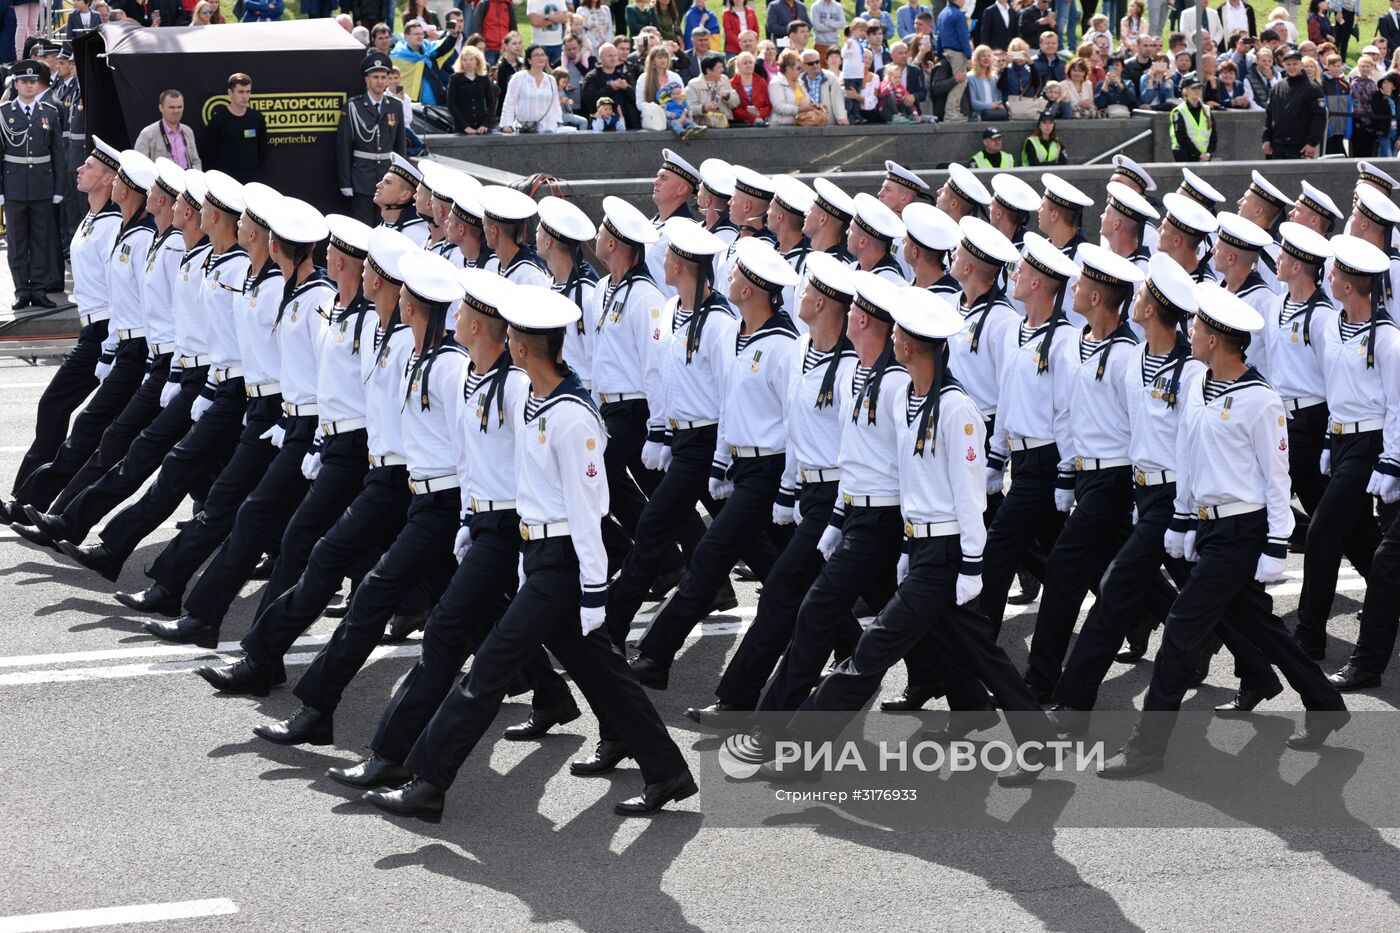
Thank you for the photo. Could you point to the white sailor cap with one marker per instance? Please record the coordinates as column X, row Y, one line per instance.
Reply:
column 1223, row 311
column 672, row 162
column 1130, row 204
column 387, row 247
column 170, row 177
column 923, row 314
column 717, row 176
column 466, row 200
column 834, row 201
column 986, row 243
column 405, row 169
column 626, row 223
column 539, row 310
column 136, row 172
column 1062, row 193
column 299, row 222
column 223, row 192
column 108, row 156
column 1014, row 194
column 905, row 178
column 1376, row 207
column 1107, row 267
column 761, row 264
column 930, row 228
column 1304, row 243
column 831, row 277
column 1317, row 201
column 1047, row 258
column 1261, row 187
column 260, row 202
column 506, row 205
column 1240, row 233
column 1171, row 286
column 793, row 195
column 1355, row 256
column 1188, row 216
column 876, row 219
column 1200, row 191
column 1129, row 169
column 429, row 172
column 1369, row 172
column 442, row 180
column 967, row 186
column 485, row 292
column 564, row 221
column 430, row 277
column 349, row 235
column 690, row 241
column 195, row 188
column 752, row 183
column 877, row 296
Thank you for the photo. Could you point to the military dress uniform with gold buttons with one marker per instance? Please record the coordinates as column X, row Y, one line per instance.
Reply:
column 32, row 139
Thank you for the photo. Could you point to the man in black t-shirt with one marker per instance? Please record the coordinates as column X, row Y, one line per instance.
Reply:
column 235, row 139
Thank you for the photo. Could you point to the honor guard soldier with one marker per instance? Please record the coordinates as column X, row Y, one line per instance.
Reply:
column 464, row 224
column 1061, row 219
column 561, row 497
column 1361, row 363
column 1099, row 445
column 560, row 240
column 676, row 182
column 713, row 198
column 75, row 147
column 33, row 140
column 930, row 236
column 1130, row 173
column 872, row 237
column 1238, row 246
column 1185, row 231
column 370, row 132
column 1013, row 203
column 1375, row 219
column 1126, row 219
column 394, row 196
column 506, row 229
column 963, row 194
column 1232, row 481
column 787, row 216
column 901, row 188
column 91, row 252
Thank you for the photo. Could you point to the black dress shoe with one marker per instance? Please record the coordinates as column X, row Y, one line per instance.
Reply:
column 337, row 607
column 1017, row 776
column 54, row 525
column 94, row 557
column 20, row 303
column 909, row 700
column 43, row 301
column 1351, row 677
column 606, row 756
column 33, row 535
column 1244, row 701
column 263, row 569
column 961, row 724
column 542, row 720
column 5, row 513
column 649, row 673
column 1130, row 763
column 725, row 600
column 665, row 582
column 402, row 626
column 186, row 630
column 417, row 799
column 155, row 599
column 718, row 717
column 1070, row 722
column 1136, row 647
column 1030, row 590
column 655, row 796
column 372, row 772
column 308, row 727
column 1317, row 726
column 743, row 571
column 244, row 677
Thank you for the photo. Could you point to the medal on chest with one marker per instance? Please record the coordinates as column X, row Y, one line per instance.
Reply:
column 481, row 408
column 340, row 337
column 1294, row 336
column 1225, row 412
column 294, row 312
column 126, row 252
column 86, row 230
column 757, row 356
column 542, row 437
column 615, row 314
column 1361, row 348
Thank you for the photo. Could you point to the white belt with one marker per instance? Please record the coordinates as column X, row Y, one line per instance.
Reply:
column 1028, row 443
column 69, row 134
column 540, row 532
column 744, row 453
column 607, row 398
column 28, row 160
column 343, row 426
column 93, row 318
column 374, row 156
column 1208, row 513
column 691, row 425
column 930, row 529
column 386, row 460
column 266, row 390
column 824, row 475
column 1154, row 477
column 297, row 411
column 193, row 362
column 870, row 502
column 131, row 333
column 421, row 487
column 1085, row 464
column 482, row 506
column 1355, row 427
column 1307, row 401
column 160, row 349
column 227, row 373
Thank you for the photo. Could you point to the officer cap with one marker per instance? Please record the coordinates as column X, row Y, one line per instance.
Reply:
column 921, row 313
column 349, row 235
column 195, row 188
column 930, row 228
column 1219, row 309
column 1292, row 54
column 1317, row 201
column 29, row 70
column 539, row 310
column 1047, row 258
column 1304, row 243
column 1130, row 204
column 1128, row 168
column 1171, row 286
column 1107, row 267
column 485, row 292
column 405, row 169
column 1200, row 191
column 387, row 247
column 1262, row 187
column 376, row 61
column 46, row 48
column 506, row 205
column 1014, row 194
column 626, row 223
column 1367, row 171
column 761, row 265
column 986, row 243
column 223, row 192
column 792, row 195
column 564, row 221
column 967, row 186
column 1190, row 81
column 260, row 203
column 690, row 241
column 66, row 53
column 833, row 200
column 1062, row 193
column 877, row 296
column 831, row 277
column 299, row 222
column 430, row 277
column 752, row 183
column 1376, row 207
column 903, row 177
column 1188, row 215
column 104, row 153
column 137, row 172
column 718, row 177
column 1355, row 256
column 876, row 219
column 672, row 162
column 170, row 177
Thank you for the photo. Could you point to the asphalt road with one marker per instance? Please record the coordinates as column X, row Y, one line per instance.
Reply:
column 126, row 783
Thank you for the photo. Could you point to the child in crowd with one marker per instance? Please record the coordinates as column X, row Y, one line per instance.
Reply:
column 607, row 118
column 853, row 53
column 1098, row 29
column 671, row 97
column 892, row 89
column 567, row 117
column 1052, row 102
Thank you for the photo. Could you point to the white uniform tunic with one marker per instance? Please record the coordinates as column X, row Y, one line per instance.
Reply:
column 1157, row 389
column 383, row 376
column 492, row 414
column 1255, row 293
column 1358, row 393
column 626, row 335
column 758, row 369
column 578, row 338
column 340, row 386
column 1098, row 401
column 1293, row 346
column 870, row 434
column 255, row 314
column 127, row 276
column 797, row 258
column 161, row 262
column 941, row 480
column 302, row 324
column 888, row 269
column 976, row 353
column 90, row 252
column 1071, row 251
column 1034, row 405
column 411, row 225
column 224, row 275
column 193, row 336
column 813, row 411
column 527, row 268
column 692, row 380
column 429, row 432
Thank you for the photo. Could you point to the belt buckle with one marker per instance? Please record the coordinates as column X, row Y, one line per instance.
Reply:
column 733, row 450
column 1336, row 427
column 326, row 430
column 908, row 529
column 1079, row 463
column 1203, row 513
column 847, row 497
column 1141, row 478
column 674, row 424
column 524, row 532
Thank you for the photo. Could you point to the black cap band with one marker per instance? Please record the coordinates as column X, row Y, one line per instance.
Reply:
column 1161, row 298
column 354, row 252
column 872, row 309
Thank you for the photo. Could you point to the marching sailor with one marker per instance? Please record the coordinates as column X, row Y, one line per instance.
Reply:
column 1061, row 218
column 506, row 230
column 560, row 240
column 1013, row 203
column 963, row 194
column 1185, row 232
column 395, row 196
column 787, row 216
column 675, row 183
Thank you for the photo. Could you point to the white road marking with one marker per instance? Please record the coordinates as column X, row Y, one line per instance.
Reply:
column 13, row 450
column 116, row 916
column 24, row 385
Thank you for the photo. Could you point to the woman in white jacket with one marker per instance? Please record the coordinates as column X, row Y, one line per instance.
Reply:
column 782, row 89
column 532, row 96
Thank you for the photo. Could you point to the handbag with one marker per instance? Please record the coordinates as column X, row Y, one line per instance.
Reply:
column 716, row 120
column 816, row 117
column 1023, row 108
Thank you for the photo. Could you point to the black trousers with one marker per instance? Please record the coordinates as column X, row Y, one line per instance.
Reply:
column 545, row 611
column 1221, row 591
column 360, row 536
column 29, row 237
column 924, row 610
column 47, row 481
column 205, row 448
column 143, row 457
column 1345, row 519
column 1024, row 529
column 420, row 559
column 787, row 583
column 73, row 382
column 258, row 527
column 745, row 514
column 630, row 483
column 475, row 600
column 1307, row 433
column 1381, row 609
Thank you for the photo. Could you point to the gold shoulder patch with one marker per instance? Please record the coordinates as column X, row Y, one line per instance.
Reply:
column 967, row 429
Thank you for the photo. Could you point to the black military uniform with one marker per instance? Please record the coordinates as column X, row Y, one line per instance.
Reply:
column 68, row 96
column 369, row 134
column 33, row 135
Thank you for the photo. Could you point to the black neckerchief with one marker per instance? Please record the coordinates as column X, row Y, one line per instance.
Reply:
column 928, row 412
column 983, row 304
column 189, row 254
column 268, row 270
column 440, row 343
column 580, row 273
column 870, row 392
column 394, row 325
column 495, row 382
column 636, row 274
column 714, row 301
column 358, row 307
column 797, row 256
column 1123, row 331
column 1057, row 317
column 826, row 395
column 1314, row 301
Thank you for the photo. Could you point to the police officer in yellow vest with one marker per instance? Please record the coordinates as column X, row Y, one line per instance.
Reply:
column 991, row 156
column 1192, row 128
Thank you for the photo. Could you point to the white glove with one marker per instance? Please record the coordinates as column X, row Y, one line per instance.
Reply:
column 1190, row 546
column 1175, row 543
column 721, row 488
column 665, row 458
column 967, row 588
column 1383, row 487
column 58, row 199
column 277, row 434
column 784, row 514
column 102, row 368
column 310, row 464
column 2, row 200
column 994, row 481
column 1064, row 500
column 168, row 393
column 901, row 570
column 200, row 406
column 464, row 541
column 592, row 619
column 1269, row 569
column 651, row 454
column 520, row 572
column 830, row 541
column 1325, row 463
column 348, row 192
